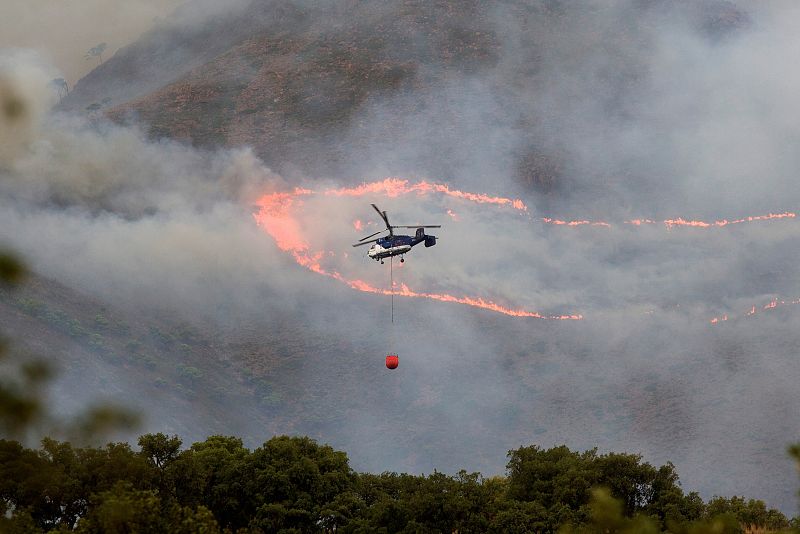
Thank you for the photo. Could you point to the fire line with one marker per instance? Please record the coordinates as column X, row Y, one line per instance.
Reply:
column 274, row 215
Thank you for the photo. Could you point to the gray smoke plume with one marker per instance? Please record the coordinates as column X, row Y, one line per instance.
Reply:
column 647, row 110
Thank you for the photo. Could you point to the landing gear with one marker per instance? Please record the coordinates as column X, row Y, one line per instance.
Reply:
column 402, row 260
column 381, row 262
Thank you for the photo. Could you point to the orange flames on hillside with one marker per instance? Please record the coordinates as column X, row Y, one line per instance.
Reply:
column 672, row 223
column 557, row 222
column 275, row 215
column 675, row 223
column 394, row 187
column 774, row 303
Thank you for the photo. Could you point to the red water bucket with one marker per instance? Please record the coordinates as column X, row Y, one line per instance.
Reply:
column 392, row 361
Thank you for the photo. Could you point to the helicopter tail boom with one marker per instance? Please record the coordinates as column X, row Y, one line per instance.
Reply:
column 430, row 240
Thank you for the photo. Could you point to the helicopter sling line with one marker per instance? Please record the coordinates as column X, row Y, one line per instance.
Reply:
column 392, row 359
column 391, row 283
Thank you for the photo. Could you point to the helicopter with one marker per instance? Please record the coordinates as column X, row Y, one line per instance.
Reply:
column 396, row 245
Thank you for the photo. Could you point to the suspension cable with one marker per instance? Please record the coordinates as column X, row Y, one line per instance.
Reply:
column 391, row 283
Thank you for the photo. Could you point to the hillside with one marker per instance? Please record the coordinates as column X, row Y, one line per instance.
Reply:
column 332, row 89
column 163, row 369
column 510, row 97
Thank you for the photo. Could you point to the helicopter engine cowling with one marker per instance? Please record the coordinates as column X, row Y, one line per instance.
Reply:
column 430, row 240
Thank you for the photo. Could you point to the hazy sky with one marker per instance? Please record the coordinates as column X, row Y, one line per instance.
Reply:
column 63, row 30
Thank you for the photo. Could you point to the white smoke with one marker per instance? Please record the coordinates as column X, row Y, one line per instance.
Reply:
column 706, row 129
column 24, row 99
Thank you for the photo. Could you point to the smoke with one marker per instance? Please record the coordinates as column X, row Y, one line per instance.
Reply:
column 158, row 233
column 63, row 32
column 105, row 209
column 24, row 98
column 648, row 111
column 644, row 111
column 691, row 128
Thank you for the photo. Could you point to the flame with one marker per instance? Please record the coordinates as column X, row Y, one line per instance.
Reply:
column 678, row 222
column 640, row 222
column 394, row 187
column 477, row 302
column 724, row 222
column 275, row 216
column 672, row 223
column 557, row 222
column 771, row 305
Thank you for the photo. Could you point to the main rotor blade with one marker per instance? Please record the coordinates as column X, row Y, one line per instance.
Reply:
column 365, row 243
column 383, row 216
column 417, row 226
column 376, row 233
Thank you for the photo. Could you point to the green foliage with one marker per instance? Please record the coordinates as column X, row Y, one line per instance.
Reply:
column 164, row 338
column 293, row 484
column 160, row 449
column 12, row 271
column 97, row 341
column 123, row 510
column 31, row 306
column 147, row 360
column 606, row 514
column 21, row 394
column 561, row 482
column 558, row 479
column 747, row 512
column 189, row 374
column 297, row 479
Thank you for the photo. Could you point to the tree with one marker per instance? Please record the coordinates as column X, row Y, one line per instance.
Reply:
column 96, row 51
column 60, row 85
column 160, row 449
column 606, row 514
column 750, row 513
column 212, row 473
column 122, row 510
column 295, row 483
column 558, row 479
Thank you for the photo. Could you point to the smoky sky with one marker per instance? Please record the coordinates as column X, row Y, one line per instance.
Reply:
column 65, row 31
column 674, row 120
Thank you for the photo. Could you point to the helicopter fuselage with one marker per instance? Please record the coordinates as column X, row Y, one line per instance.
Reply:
column 391, row 246
column 397, row 245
